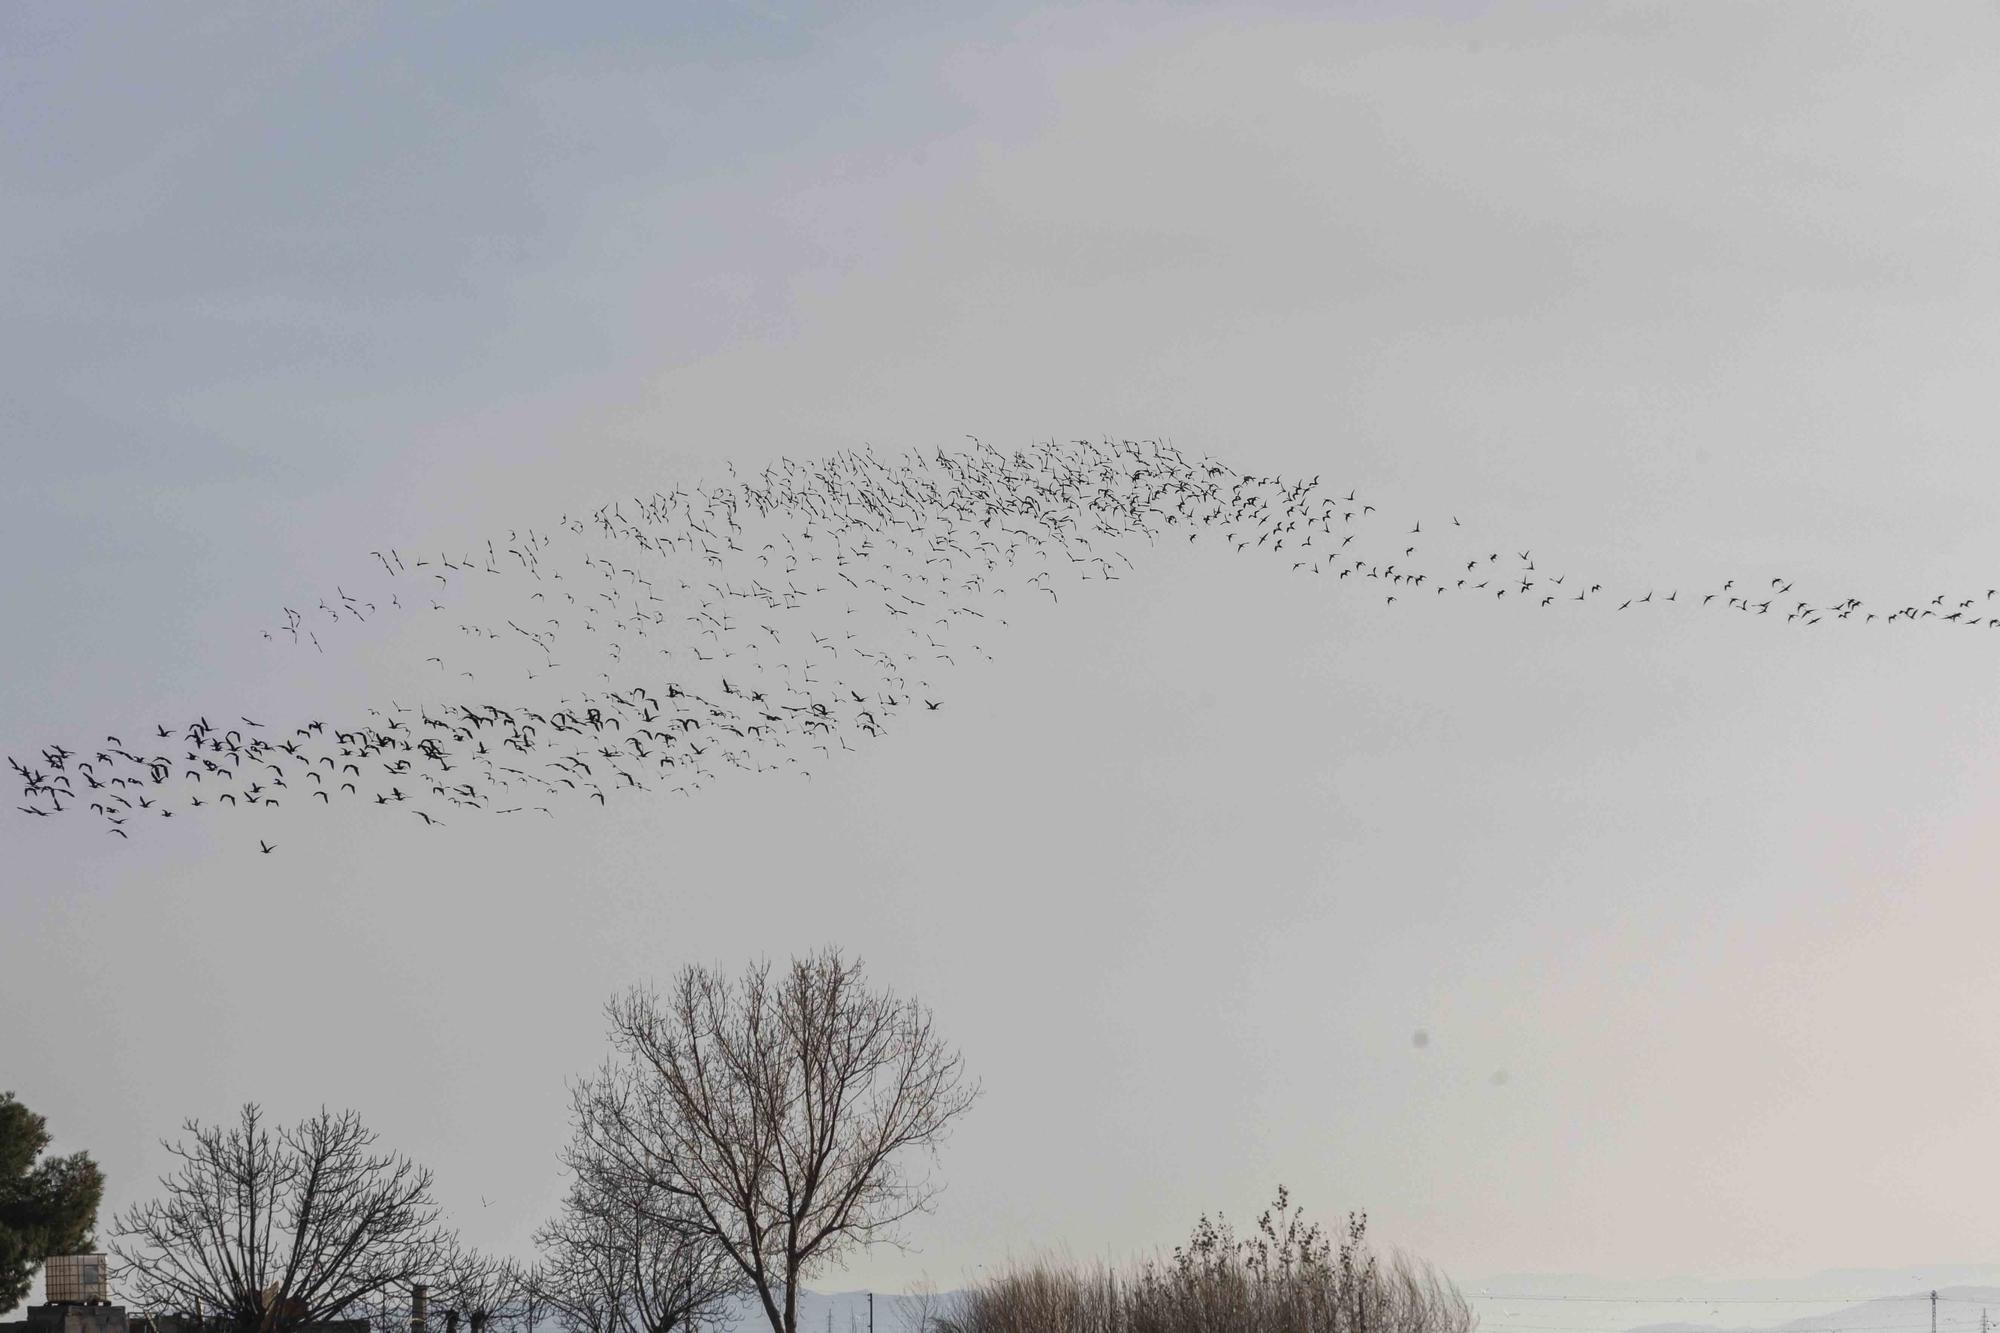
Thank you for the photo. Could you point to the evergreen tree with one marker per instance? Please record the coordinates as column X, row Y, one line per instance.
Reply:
column 45, row 1209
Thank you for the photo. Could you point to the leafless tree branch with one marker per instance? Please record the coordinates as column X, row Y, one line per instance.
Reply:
column 263, row 1231
column 777, row 1114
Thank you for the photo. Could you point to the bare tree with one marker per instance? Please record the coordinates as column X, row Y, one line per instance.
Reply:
column 633, row 1260
column 580, row 1300
column 263, row 1232
column 782, row 1110
column 478, row 1288
column 387, row 1311
column 535, row 1305
column 924, row 1309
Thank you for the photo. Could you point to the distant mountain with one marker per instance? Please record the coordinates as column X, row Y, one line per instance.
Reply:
column 1960, row 1309
column 1857, row 1283
column 1834, row 1301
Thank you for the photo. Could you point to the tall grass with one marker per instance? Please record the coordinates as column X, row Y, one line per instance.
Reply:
column 1288, row 1276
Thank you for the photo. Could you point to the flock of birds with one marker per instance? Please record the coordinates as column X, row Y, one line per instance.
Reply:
column 762, row 625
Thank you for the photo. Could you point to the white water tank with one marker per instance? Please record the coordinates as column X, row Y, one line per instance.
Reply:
column 77, row 1279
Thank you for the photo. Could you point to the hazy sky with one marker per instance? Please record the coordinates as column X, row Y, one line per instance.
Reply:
column 1668, row 294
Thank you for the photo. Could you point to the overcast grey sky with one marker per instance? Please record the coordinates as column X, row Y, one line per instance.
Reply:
column 1669, row 294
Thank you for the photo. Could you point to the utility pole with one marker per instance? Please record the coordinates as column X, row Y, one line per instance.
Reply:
column 871, row 1313
column 1933, row 1310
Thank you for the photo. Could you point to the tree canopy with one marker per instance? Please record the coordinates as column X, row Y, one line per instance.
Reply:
column 45, row 1209
column 264, row 1232
column 780, row 1114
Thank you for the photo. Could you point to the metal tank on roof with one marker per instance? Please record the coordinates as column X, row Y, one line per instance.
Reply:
column 77, row 1279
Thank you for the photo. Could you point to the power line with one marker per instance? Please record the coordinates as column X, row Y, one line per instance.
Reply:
column 1849, row 1327
column 1498, row 1321
column 1723, row 1300
column 1806, row 1324
column 1789, row 1327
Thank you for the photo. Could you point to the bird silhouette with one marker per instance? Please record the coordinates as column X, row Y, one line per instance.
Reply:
column 585, row 658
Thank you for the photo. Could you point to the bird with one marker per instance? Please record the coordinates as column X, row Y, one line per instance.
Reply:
column 609, row 630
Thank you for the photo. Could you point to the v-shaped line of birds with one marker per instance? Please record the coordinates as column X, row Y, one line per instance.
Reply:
column 760, row 625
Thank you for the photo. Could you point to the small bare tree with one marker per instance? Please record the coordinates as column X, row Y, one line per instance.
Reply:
column 536, row 1304
column 387, row 1311
column 924, row 1309
column 580, row 1303
column 780, row 1110
column 262, row 1232
column 478, row 1288
column 633, row 1262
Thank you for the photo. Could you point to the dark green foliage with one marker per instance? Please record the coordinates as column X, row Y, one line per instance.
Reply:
column 45, row 1209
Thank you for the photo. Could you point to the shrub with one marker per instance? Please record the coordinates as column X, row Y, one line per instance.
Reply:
column 1288, row 1276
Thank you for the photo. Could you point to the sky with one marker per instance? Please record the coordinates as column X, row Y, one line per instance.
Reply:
column 1694, row 912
